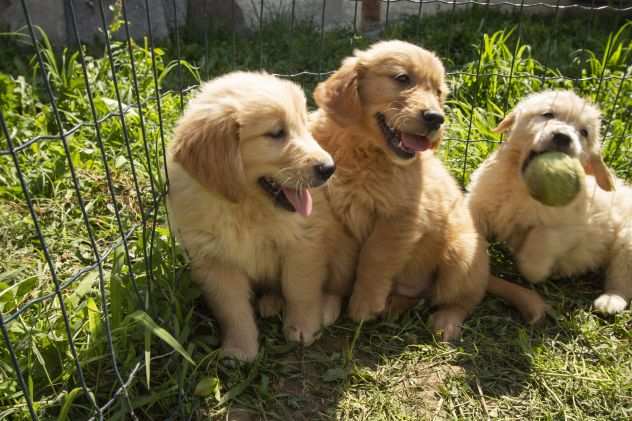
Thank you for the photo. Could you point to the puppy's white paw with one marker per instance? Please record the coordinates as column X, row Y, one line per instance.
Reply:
column 610, row 303
column 332, row 305
column 270, row 305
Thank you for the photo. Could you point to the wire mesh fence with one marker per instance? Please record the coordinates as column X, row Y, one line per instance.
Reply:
column 91, row 274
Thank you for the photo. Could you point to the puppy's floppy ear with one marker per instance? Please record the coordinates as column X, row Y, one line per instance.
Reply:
column 506, row 124
column 595, row 166
column 339, row 95
column 593, row 162
column 207, row 146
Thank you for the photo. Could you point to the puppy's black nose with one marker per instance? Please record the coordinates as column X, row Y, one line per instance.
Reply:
column 561, row 140
column 324, row 171
column 433, row 119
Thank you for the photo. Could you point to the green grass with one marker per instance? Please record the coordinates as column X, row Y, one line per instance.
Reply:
column 577, row 365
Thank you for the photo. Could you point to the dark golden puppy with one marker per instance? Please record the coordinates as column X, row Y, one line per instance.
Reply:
column 405, row 231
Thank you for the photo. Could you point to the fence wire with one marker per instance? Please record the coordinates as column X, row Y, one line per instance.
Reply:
column 144, row 151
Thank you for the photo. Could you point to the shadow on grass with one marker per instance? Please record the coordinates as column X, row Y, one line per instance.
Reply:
column 397, row 367
column 380, row 366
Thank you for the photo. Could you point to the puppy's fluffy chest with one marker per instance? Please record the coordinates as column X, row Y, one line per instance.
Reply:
column 368, row 187
column 260, row 256
column 252, row 236
column 587, row 229
column 513, row 224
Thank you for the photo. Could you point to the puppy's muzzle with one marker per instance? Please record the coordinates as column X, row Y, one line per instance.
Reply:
column 559, row 140
column 556, row 142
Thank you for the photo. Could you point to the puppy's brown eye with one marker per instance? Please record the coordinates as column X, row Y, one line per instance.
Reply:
column 276, row 134
column 402, row 78
column 584, row 132
column 548, row 115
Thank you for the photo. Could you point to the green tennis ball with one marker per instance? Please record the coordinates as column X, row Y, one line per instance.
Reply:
column 554, row 178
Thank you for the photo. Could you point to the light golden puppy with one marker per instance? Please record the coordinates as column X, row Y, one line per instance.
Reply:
column 593, row 231
column 240, row 167
column 405, row 230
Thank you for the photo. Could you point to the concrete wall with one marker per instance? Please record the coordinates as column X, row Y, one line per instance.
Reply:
column 196, row 15
column 54, row 17
column 342, row 12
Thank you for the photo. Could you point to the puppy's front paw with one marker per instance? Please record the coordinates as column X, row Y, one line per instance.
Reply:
column 536, row 313
column 331, row 309
column 399, row 304
column 270, row 305
column 246, row 352
column 304, row 332
column 364, row 307
column 447, row 323
column 533, row 307
column 610, row 303
column 534, row 272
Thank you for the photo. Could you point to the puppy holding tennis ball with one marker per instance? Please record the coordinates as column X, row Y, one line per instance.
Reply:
column 554, row 178
column 548, row 195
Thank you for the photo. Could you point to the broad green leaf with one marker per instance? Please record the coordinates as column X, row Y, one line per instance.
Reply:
column 120, row 161
column 87, row 283
column 208, row 386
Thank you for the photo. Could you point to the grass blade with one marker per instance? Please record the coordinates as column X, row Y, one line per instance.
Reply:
column 70, row 398
column 144, row 318
column 147, row 353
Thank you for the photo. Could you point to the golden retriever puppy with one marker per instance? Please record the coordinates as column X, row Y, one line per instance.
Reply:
column 405, row 230
column 240, row 167
column 593, row 231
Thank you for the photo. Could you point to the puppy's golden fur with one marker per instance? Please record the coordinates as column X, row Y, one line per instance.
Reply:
column 593, row 231
column 404, row 229
column 239, row 130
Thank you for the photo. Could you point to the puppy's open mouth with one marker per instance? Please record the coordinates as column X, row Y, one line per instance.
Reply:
column 293, row 200
column 405, row 145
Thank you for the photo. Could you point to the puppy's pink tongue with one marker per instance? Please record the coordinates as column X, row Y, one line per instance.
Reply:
column 415, row 142
column 300, row 199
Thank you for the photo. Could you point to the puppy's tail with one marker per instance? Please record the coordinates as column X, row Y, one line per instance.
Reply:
column 528, row 302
